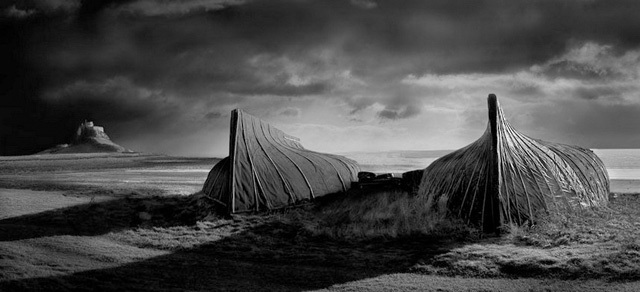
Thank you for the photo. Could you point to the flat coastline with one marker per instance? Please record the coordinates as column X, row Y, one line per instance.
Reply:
column 124, row 222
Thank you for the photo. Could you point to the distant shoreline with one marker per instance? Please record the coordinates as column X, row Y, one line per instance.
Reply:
column 625, row 186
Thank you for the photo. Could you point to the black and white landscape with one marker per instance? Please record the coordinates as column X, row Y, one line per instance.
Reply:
column 365, row 155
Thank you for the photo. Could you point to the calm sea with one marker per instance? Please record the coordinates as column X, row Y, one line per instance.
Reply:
column 623, row 165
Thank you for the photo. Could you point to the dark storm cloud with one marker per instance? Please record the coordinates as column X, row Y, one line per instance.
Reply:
column 570, row 69
column 598, row 124
column 365, row 4
column 597, row 92
column 359, row 103
column 14, row 12
column 481, row 36
column 25, row 8
column 114, row 99
column 175, row 56
column 175, row 7
column 404, row 104
column 393, row 113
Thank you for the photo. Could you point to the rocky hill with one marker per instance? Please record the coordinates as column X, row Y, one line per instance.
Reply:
column 87, row 139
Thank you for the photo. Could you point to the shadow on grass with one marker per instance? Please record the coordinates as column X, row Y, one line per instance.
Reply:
column 100, row 217
column 251, row 261
column 273, row 254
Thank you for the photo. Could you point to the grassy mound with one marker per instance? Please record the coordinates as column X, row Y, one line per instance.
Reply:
column 387, row 213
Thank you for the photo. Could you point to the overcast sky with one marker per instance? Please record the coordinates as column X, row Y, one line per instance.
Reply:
column 362, row 75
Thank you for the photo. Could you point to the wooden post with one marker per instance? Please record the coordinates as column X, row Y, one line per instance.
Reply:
column 492, row 213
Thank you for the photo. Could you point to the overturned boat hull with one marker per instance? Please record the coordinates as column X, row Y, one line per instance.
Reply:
column 505, row 177
column 267, row 169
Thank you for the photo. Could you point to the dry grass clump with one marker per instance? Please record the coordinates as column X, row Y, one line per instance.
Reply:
column 619, row 223
column 384, row 213
column 187, row 236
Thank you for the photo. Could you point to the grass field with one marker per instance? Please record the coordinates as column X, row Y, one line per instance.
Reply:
column 62, row 230
column 592, row 244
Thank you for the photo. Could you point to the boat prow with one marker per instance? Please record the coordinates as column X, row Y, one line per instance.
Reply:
column 505, row 177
